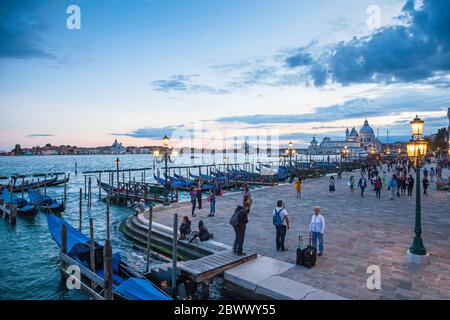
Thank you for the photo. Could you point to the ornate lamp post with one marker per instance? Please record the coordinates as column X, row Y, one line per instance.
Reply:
column 290, row 152
column 417, row 150
column 117, row 161
column 165, row 155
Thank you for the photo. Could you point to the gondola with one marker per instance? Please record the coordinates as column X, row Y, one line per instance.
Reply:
column 128, row 284
column 23, row 206
column 44, row 202
column 27, row 185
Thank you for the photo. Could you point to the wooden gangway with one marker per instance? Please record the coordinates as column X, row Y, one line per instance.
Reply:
column 205, row 268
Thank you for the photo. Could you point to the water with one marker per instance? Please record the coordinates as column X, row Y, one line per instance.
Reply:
column 29, row 262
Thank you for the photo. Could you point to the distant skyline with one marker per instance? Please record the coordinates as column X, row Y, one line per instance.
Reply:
column 137, row 70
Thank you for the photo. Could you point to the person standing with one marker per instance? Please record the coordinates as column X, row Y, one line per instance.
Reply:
column 246, row 195
column 410, row 185
column 392, row 187
column 239, row 222
column 199, row 193
column 280, row 220
column 212, row 203
column 362, row 185
column 331, row 186
column 425, row 184
column 378, row 185
column 351, row 183
column 298, row 187
column 193, row 195
column 317, row 228
column 432, row 174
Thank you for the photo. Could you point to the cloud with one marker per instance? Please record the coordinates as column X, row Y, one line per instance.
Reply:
column 38, row 135
column 415, row 50
column 148, row 133
column 21, row 30
column 386, row 105
column 186, row 84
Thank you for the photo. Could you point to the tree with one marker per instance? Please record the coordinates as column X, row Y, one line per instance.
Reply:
column 48, row 145
column 17, row 150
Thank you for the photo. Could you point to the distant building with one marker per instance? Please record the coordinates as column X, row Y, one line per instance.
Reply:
column 358, row 144
column 118, row 148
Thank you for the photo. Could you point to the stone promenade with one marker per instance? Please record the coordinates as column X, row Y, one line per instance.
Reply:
column 359, row 233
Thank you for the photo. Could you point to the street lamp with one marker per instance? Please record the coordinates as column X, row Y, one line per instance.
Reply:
column 165, row 155
column 290, row 152
column 117, row 161
column 345, row 153
column 417, row 150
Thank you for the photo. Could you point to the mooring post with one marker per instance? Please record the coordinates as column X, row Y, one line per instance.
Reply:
column 81, row 209
column 99, row 186
column 90, row 193
column 108, row 204
column 149, row 237
column 13, row 215
column 107, row 260
column 85, row 186
column 174, row 255
column 63, row 245
column 39, row 185
column 65, row 190
column 45, row 184
column 23, row 182
column 76, row 168
column 92, row 246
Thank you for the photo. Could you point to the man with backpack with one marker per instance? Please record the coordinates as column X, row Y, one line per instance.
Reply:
column 239, row 222
column 281, row 222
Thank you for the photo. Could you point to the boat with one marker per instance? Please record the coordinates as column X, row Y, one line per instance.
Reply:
column 128, row 283
column 23, row 206
column 26, row 184
column 44, row 202
column 58, row 182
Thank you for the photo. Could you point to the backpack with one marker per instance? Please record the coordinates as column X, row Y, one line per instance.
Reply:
column 276, row 219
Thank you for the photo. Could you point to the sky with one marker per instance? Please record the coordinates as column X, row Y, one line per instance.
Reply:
column 138, row 69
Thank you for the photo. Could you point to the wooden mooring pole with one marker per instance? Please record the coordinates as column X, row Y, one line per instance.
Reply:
column 85, row 186
column 92, row 246
column 149, row 238
column 107, row 258
column 65, row 190
column 81, row 210
column 90, row 193
column 174, row 255
column 99, row 186
column 63, row 247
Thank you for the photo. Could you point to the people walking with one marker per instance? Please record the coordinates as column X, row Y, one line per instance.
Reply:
column 331, row 187
column 351, row 183
column 410, row 185
column 298, row 187
column 378, row 184
column 280, row 220
column 425, row 184
column 193, row 195
column 212, row 203
column 239, row 222
column 392, row 187
column 362, row 185
column 317, row 228
column 199, row 194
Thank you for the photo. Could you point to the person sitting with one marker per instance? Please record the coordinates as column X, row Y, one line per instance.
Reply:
column 139, row 207
column 185, row 228
column 203, row 234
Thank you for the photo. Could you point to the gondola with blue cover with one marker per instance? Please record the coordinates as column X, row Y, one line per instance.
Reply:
column 23, row 206
column 128, row 284
column 44, row 202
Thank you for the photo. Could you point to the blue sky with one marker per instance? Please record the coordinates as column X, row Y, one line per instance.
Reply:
column 139, row 69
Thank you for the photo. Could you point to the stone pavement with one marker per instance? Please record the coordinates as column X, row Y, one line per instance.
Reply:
column 359, row 233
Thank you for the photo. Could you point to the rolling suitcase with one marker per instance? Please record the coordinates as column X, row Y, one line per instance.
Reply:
column 300, row 252
column 309, row 255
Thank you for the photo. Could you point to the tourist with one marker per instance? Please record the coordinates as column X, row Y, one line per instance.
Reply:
column 432, row 174
column 199, row 193
column 425, row 184
column 212, row 203
column 317, row 228
column 383, row 179
column 362, row 185
column 203, row 234
column 392, row 187
column 410, row 185
column 378, row 185
column 239, row 222
column 404, row 184
column 351, row 183
column 298, row 187
column 246, row 195
column 331, row 186
column 139, row 207
column 185, row 228
column 280, row 220
column 425, row 172
column 193, row 194
column 399, row 185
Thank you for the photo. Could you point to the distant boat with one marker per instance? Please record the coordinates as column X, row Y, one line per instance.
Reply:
column 128, row 284
column 23, row 207
column 44, row 202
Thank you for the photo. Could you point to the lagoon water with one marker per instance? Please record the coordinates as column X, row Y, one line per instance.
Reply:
column 29, row 259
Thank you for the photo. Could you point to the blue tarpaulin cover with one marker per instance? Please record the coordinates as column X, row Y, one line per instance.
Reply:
column 140, row 289
column 73, row 235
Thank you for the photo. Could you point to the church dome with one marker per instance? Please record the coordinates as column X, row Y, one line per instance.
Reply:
column 366, row 129
column 353, row 133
